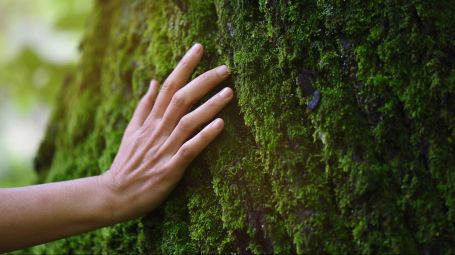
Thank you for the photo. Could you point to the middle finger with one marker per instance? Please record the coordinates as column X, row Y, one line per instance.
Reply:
column 176, row 80
column 193, row 91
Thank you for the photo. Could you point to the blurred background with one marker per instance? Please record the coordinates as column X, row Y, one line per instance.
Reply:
column 39, row 42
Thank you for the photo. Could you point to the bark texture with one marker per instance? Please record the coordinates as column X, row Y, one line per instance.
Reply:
column 341, row 138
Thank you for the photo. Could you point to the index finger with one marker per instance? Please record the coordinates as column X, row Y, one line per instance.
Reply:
column 179, row 76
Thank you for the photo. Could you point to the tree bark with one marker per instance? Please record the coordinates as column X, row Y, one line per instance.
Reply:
column 341, row 138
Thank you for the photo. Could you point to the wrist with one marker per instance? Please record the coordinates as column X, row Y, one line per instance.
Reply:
column 108, row 203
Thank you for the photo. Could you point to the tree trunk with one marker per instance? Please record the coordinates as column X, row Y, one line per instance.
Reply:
column 341, row 138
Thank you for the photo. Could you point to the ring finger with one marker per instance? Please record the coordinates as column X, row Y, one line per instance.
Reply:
column 190, row 122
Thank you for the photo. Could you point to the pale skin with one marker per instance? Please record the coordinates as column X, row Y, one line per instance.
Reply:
column 158, row 144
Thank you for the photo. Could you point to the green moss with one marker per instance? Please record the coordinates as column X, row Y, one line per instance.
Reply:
column 370, row 170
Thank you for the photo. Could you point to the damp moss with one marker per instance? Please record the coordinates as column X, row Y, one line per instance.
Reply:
column 370, row 170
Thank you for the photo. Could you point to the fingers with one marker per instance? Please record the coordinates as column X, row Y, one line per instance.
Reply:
column 190, row 122
column 177, row 79
column 145, row 105
column 196, row 145
column 192, row 92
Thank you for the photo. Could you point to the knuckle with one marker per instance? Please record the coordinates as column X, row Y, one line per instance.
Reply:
column 185, row 63
column 204, row 136
column 185, row 153
column 144, row 132
column 179, row 100
column 207, row 77
column 212, row 103
column 168, row 85
column 185, row 124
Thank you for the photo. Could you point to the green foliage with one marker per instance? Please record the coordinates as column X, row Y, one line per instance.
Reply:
column 38, row 48
column 370, row 170
column 30, row 77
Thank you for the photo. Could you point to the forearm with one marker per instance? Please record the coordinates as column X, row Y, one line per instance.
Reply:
column 42, row 213
column 158, row 144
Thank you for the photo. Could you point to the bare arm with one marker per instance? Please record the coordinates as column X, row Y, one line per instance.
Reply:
column 41, row 213
column 157, row 146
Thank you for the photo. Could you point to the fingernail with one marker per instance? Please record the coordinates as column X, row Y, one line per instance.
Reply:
column 222, row 70
column 151, row 85
column 226, row 93
column 218, row 123
column 197, row 47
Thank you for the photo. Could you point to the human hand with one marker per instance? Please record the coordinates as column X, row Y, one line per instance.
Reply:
column 155, row 149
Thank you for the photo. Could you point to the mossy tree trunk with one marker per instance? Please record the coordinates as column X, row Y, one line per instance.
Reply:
column 341, row 138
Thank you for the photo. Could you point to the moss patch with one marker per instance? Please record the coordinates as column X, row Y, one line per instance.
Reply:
column 370, row 170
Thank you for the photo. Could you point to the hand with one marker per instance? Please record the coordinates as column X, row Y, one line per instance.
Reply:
column 155, row 149
column 153, row 155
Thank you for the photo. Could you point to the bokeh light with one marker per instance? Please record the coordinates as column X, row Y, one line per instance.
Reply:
column 38, row 48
